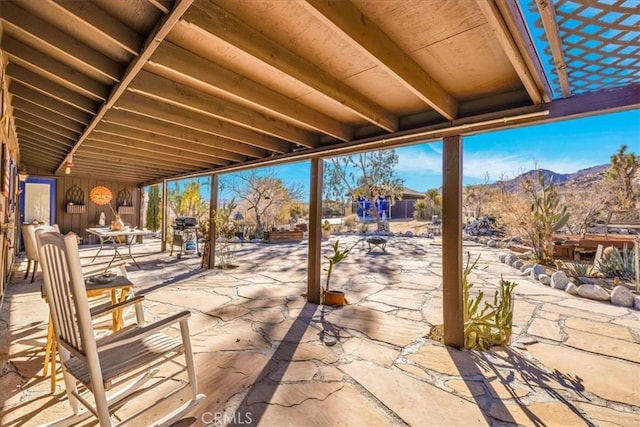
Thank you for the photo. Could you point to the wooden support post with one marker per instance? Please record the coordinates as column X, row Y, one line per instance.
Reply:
column 213, row 207
column 452, row 242
column 315, row 235
column 165, row 223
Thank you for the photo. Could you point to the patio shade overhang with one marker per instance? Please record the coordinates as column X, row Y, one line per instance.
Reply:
column 144, row 90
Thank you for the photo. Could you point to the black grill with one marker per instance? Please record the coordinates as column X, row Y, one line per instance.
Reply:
column 183, row 222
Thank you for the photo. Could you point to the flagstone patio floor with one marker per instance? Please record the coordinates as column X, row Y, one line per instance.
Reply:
column 266, row 357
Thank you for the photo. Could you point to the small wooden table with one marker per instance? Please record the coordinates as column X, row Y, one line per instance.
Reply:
column 106, row 235
column 119, row 288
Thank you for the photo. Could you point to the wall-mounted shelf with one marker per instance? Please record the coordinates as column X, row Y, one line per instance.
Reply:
column 125, row 210
column 74, row 198
column 75, row 209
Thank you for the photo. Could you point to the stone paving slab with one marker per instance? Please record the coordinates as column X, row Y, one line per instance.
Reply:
column 263, row 352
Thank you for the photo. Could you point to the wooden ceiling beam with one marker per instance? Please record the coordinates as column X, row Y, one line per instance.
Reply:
column 109, row 153
column 178, row 64
column 191, row 136
column 211, row 20
column 44, row 124
column 60, row 93
column 177, row 152
column 115, row 168
column 24, row 124
column 90, row 15
column 182, row 96
column 499, row 28
column 45, row 101
column 40, row 144
column 181, row 117
column 345, row 18
column 44, row 139
column 192, row 149
column 155, row 38
column 28, row 107
column 62, row 74
column 83, row 58
column 548, row 16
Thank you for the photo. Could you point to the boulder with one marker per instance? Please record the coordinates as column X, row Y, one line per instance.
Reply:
column 408, row 234
column 572, row 289
column 510, row 259
column 502, row 257
column 636, row 303
column 536, row 271
column 544, row 279
column 559, row 280
column 491, row 243
column 622, row 296
column 594, row 292
column 525, row 266
column 526, row 272
column 517, row 264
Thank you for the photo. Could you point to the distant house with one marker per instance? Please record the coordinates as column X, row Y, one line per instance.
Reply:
column 401, row 209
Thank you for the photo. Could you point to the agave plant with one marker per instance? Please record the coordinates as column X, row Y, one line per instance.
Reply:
column 618, row 264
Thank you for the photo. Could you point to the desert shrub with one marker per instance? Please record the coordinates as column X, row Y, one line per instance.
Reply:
column 492, row 324
column 620, row 264
column 350, row 222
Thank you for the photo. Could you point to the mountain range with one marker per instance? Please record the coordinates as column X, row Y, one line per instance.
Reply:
column 582, row 178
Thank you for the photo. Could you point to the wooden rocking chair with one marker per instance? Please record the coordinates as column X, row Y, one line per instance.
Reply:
column 122, row 362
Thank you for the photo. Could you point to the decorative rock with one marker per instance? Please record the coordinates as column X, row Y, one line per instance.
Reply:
column 536, row 271
column 572, row 289
column 408, row 234
column 525, row 266
column 510, row 259
column 594, row 292
column 502, row 258
column 491, row 243
column 517, row 264
column 636, row 303
column 527, row 272
column 559, row 280
column 544, row 279
column 622, row 296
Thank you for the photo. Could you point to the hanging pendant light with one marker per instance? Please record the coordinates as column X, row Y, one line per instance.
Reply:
column 68, row 165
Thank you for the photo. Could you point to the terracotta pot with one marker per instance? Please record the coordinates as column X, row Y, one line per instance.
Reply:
column 334, row 298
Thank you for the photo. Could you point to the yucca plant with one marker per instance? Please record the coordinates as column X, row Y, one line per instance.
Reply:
column 618, row 264
column 579, row 269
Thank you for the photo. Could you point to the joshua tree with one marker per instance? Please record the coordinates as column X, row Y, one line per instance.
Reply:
column 622, row 170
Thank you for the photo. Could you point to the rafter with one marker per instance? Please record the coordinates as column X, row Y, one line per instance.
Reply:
column 193, row 150
column 163, row 90
column 45, row 114
column 178, row 64
column 44, row 124
column 548, row 15
column 499, row 28
column 133, row 144
column 181, row 117
column 82, row 57
column 45, row 101
column 60, row 93
column 153, row 41
column 212, row 20
column 191, row 136
column 62, row 74
column 345, row 18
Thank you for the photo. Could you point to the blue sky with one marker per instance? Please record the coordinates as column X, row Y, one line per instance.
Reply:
column 563, row 147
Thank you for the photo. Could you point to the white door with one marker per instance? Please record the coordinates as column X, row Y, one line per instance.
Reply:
column 38, row 201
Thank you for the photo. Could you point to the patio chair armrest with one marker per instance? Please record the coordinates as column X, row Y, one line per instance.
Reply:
column 130, row 336
column 108, row 307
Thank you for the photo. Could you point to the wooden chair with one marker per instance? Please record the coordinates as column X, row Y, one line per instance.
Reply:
column 28, row 232
column 114, row 362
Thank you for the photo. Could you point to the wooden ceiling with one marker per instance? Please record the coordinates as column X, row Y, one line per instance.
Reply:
column 141, row 90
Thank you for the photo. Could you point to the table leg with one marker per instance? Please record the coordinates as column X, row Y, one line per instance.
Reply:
column 129, row 242
column 99, row 250
column 50, row 355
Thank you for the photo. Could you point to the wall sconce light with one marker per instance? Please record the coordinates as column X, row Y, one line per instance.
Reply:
column 22, row 173
column 68, row 165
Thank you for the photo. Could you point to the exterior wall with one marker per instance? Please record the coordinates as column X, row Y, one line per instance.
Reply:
column 8, row 183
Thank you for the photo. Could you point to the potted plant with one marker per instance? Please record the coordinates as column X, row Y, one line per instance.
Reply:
column 329, row 296
column 326, row 229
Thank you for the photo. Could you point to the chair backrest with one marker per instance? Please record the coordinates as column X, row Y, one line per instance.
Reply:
column 29, row 238
column 66, row 292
